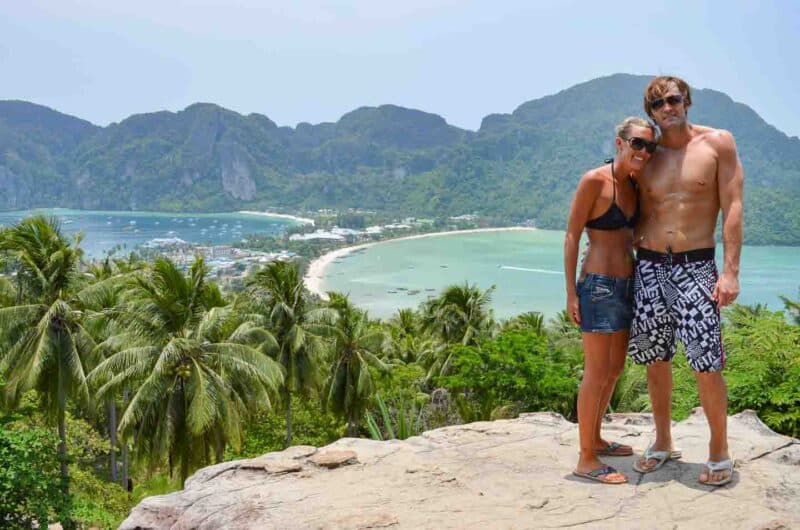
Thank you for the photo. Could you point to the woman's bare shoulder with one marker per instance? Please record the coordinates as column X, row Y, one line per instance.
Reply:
column 596, row 176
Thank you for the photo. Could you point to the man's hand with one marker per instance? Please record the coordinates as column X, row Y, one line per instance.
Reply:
column 726, row 290
column 574, row 309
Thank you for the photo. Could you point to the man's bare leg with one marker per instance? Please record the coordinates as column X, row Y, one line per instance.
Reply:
column 659, row 385
column 714, row 398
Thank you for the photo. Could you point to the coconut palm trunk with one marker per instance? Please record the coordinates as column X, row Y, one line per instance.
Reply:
column 287, row 396
column 124, row 455
column 66, row 521
column 112, row 436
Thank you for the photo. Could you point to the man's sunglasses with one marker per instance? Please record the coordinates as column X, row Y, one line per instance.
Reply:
column 673, row 100
column 637, row 144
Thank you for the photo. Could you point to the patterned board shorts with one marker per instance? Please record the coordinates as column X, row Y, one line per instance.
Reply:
column 672, row 300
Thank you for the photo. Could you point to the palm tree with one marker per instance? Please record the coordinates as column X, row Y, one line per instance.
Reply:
column 460, row 315
column 8, row 293
column 409, row 341
column 104, row 317
column 792, row 307
column 530, row 321
column 277, row 292
column 405, row 322
column 194, row 382
column 44, row 345
column 355, row 347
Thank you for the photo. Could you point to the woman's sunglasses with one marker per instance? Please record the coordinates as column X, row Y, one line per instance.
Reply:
column 637, row 144
column 673, row 100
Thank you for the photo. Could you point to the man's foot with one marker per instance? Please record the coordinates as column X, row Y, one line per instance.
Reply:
column 613, row 449
column 654, row 458
column 604, row 474
column 717, row 473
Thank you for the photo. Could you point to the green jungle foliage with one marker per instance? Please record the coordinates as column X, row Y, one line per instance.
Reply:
column 515, row 372
column 29, row 480
column 517, row 166
column 311, row 425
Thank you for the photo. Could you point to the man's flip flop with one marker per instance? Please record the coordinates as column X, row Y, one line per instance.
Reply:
column 661, row 458
column 599, row 474
column 615, row 449
column 714, row 467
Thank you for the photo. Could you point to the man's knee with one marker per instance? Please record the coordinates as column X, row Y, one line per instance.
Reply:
column 712, row 381
column 659, row 370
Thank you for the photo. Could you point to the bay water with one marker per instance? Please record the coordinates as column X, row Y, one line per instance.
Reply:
column 526, row 267
column 107, row 230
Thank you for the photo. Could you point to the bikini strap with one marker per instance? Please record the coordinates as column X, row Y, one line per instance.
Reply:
column 613, row 183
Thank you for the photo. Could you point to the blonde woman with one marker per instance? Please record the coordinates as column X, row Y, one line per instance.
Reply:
column 600, row 301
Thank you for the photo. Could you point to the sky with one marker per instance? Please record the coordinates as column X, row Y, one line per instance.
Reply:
column 306, row 61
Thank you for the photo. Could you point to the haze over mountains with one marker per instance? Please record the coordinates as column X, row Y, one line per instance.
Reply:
column 522, row 165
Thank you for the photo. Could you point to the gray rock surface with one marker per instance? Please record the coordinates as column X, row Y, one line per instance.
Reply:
column 236, row 178
column 487, row 475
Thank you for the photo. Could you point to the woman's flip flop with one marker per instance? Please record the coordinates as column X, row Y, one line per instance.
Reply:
column 615, row 449
column 601, row 475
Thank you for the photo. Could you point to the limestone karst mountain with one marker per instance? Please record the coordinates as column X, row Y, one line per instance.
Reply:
column 516, row 166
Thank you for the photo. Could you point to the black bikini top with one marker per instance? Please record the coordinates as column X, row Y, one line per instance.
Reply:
column 614, row 218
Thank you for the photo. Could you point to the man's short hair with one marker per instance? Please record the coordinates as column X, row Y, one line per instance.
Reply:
column 623, row 130
column 660, row 86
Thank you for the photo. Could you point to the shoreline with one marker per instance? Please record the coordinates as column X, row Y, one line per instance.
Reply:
column 316, row 269
column 304, row 220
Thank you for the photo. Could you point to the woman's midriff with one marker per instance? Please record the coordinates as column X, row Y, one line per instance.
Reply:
column 610, row 253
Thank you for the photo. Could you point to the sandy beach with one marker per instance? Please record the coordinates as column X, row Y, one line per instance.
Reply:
column 316, row 269
column 304, row 220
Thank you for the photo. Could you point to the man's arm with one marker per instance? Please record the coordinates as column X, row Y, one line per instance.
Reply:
column 730, row 181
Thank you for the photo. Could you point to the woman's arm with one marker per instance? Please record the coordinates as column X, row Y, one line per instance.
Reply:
column 588, row 190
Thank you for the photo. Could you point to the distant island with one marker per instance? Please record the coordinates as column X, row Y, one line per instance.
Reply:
column 396, row 161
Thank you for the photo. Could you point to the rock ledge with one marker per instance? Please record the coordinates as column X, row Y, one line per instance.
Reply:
column 501, row 474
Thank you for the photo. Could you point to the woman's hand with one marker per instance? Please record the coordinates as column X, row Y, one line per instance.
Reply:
column 573, row 308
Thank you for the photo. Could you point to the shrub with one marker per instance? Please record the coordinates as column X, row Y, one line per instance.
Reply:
column 29, row 478
column 310, row 426
column 515, row 371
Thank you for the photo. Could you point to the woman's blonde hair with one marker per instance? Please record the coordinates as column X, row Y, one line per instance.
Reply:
column 623, row 130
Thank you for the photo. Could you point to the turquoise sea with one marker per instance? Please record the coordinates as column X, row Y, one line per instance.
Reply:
column 526, row 268
column 104, row 231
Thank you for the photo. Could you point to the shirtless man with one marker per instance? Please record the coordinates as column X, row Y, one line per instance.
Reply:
column 694, row 173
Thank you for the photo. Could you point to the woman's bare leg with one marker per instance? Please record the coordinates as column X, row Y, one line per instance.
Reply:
column 617, row 354
column 596, row 348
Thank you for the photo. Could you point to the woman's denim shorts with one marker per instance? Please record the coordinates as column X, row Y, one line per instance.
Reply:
column 606, row 303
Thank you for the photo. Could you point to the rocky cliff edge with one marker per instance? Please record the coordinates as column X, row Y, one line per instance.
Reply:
column 501, row 474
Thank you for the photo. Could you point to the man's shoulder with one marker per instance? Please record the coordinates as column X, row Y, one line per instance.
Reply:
column 718, row 138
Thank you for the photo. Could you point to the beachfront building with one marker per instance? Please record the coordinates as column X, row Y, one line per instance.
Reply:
column 317, row 235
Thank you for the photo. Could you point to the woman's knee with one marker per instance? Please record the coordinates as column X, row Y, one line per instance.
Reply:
column 615, row 371
column 596, row 374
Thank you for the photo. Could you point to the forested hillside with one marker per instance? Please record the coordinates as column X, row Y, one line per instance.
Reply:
column 517, row 166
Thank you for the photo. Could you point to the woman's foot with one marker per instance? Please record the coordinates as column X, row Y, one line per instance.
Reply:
column 598, row 471
column 613, row 449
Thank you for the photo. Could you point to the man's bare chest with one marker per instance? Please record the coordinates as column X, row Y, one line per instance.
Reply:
column 692, row 171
